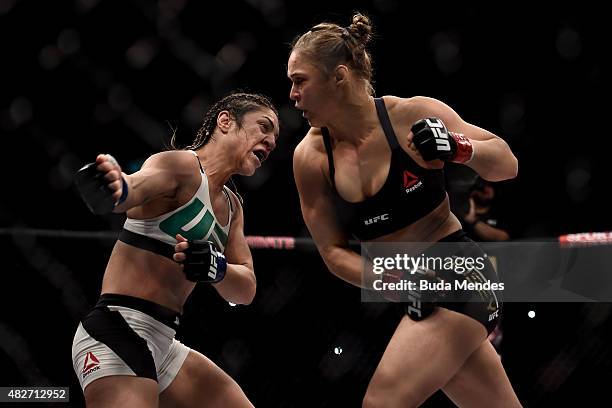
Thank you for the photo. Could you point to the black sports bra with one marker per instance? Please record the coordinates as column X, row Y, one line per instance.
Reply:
column 410, row 191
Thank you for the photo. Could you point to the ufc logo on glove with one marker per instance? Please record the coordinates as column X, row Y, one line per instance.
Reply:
column 212, row 270
column 435, row 142
column 440, row 133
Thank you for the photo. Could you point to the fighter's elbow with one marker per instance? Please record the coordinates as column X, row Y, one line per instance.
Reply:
column 241, row 291
column 249, row 289
column 506, row 170
column 329, row 257
column 512, row 170
column 510, row 167
column 250, row 292
column 503, row 236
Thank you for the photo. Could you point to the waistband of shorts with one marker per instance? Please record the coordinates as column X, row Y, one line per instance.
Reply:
column 160, row 313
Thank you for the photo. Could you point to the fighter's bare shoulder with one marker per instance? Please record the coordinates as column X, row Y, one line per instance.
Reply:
column 309, row 156
column 310, row 147
column 408, row 110
column 179, row 162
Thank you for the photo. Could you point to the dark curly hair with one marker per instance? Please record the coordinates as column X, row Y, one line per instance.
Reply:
column 237, row 104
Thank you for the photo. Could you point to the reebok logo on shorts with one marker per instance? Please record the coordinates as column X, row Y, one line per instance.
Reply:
column 91, row 364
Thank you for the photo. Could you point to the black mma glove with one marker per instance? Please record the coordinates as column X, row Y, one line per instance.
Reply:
column 203, row 262
column 93, row 188
column 434, row 141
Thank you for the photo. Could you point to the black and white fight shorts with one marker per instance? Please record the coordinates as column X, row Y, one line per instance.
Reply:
column 124, row 335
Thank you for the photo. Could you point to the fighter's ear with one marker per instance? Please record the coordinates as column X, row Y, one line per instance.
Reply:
column 341, row 74
column 224, row 121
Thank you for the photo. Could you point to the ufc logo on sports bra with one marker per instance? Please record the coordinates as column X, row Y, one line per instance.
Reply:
column 440, row 133
column 373, row 220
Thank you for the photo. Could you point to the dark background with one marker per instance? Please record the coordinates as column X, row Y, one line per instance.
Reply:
column 89, row 76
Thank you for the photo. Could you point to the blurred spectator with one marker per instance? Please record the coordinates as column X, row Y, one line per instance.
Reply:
column 480, row 221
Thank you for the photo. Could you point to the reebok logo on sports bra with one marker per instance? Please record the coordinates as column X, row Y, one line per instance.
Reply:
column 411, row 182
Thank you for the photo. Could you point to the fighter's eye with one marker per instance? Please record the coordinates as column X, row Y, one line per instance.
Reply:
column 265, row 127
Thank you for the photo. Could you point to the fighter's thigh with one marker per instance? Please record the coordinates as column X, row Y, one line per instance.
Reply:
column 422, row 356
column 121, row 391
column 481, row 380
column 200, row 383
